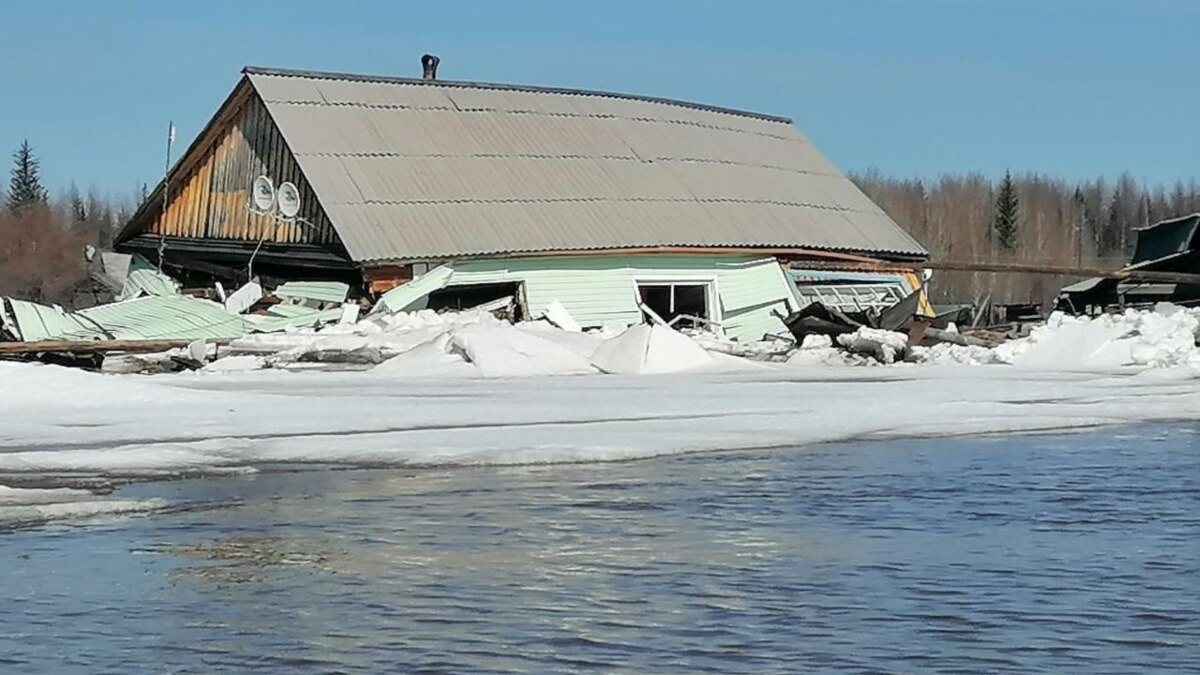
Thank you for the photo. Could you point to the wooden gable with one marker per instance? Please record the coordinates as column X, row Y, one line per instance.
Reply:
column 209, row 189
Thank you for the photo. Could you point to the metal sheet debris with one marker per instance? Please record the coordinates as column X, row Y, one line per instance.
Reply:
column 144, row 279
column 30, row 322
column 313, row 293
column 404, row 298
column 283, row 317
column 166, row 317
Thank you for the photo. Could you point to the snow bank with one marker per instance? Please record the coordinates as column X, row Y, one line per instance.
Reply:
column 425, row 343
column 432, row 358
column 504, row 351
column 949, row 354
column 1161, row 338
column 130, row 426
column 1164, row 337
column 651, row 349
column 235, row 364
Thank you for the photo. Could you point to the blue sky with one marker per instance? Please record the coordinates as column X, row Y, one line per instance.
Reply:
column 1074, row 88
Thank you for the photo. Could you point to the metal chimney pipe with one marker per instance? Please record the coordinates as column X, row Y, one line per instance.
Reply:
column 429, row 64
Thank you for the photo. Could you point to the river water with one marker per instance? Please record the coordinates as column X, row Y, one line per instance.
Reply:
column 1049, row 553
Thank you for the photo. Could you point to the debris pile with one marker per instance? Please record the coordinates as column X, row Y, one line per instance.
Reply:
column 153, row 312
column 476, row 342
column 157, row 326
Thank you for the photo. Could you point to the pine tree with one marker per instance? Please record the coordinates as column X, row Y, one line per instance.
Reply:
column 1006, row 220
column 79, row 212
column 25, row 188
column 1113, row 241
column 1083, row 223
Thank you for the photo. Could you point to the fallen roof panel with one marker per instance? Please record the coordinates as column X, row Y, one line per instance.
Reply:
column 167, row 317
column 319, row 291
column 32, row 322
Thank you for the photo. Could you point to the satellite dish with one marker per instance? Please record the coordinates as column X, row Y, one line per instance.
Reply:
column 263, row 193
column 289, row 200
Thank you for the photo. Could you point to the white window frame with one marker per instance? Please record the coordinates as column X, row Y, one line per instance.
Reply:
column 712, row 297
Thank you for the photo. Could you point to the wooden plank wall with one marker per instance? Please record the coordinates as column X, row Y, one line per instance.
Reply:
column 211, row 200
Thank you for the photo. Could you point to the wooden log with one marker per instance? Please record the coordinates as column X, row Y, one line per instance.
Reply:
column 1023, row 268
column 93, row 346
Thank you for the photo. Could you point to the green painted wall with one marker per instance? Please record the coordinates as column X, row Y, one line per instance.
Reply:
column 600, row 289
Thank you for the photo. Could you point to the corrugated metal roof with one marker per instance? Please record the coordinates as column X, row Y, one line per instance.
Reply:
column 283, row 317
column 317, row 291
column 176, row 317
column 167, row 317
column 143, row 278
column 411, row 170
column 31, row 322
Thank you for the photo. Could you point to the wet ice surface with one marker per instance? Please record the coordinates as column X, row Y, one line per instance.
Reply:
column 1021, row 553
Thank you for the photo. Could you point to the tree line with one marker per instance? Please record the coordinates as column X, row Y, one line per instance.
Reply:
column 43, row 238
column 1027, row 218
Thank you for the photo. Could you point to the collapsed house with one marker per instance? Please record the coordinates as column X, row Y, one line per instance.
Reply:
column 1168, row 246
column 435, row 194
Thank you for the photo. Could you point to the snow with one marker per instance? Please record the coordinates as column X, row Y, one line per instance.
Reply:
column 431, row 358
column 494, row 348
column 504, row 351
column 818, row 350
column 885, row 344
column 762, row 350
column 467, row 388
column 647, row 348
column 233, row 364
column 134, row 426
column 1163, row 338
column 583, row 344
column 10, row 495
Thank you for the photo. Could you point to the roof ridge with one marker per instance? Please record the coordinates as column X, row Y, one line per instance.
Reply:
column 384, row 79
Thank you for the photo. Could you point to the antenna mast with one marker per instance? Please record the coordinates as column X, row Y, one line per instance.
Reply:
column 162, row 223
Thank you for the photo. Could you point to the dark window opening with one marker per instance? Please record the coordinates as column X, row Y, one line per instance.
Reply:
column 468, row 296
column 671, row 301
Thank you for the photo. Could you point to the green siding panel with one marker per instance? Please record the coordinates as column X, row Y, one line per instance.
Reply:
column 601, row 289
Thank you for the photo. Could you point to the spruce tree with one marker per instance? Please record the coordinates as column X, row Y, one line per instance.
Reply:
column 1006, row 220
column 25, row 188
column 78, row 208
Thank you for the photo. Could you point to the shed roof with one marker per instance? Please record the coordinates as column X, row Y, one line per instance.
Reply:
column 410, row 169
column 1167, row 238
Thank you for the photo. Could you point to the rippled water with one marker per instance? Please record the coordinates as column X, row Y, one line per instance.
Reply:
column 1024, row 554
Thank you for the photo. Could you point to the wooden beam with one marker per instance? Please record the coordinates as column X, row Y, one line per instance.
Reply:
column 1023, row 268
column 1063, row 270
column 218, row 271
column 93, row 346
